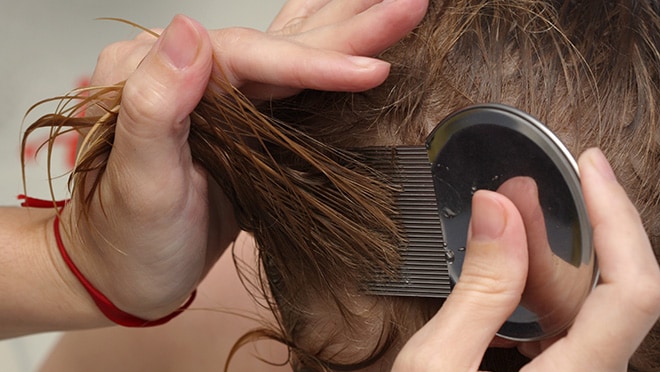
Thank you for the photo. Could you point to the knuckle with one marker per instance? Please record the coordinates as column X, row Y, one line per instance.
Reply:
column 105, row 62
column 485, row 284
column 231, row 44
column 109, row 51
column 144, row 102
column 116, row 51
column 234, row 35
column 488, row 290
column 292, row 27
column 483, row 277
column 118, row 60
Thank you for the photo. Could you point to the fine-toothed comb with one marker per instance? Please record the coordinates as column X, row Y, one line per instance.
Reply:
column 481, row 147
column 424, row 265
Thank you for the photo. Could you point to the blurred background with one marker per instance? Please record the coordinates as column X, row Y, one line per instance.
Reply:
column 48, row 47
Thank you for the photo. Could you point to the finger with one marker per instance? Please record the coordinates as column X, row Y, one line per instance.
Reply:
column 119, row 60
column 328, row 58
column 629, row 270
column 332, row 12
column 370, row 31
column 115, row 64
column 152, row 126
column 247, row 56
column 295, row 9
column 624, row 307
column 604, row 195
column 487, row 292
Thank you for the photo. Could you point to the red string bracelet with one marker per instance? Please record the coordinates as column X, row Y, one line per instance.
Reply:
column 106, row 306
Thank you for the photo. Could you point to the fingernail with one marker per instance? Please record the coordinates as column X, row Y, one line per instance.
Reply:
column 600, row 164
column 179, row 43
column 488, row 217
column 366, row 62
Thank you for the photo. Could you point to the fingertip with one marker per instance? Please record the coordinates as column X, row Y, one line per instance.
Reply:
column 171, row 80
column 496, row 221
column 496, row 257
column 368, row 72
column 594, row 160
column 488, row 216
column 184, row 45
column 615, row 220
column 159, row 96
column 368, row 63
column 180, row 43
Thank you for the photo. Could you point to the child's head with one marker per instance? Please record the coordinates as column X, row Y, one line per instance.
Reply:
column 588, row 69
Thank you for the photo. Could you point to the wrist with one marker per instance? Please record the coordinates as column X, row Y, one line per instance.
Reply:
column 105, row 305
column 121, row 286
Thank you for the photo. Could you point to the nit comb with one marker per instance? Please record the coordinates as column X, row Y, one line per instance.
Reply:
column 424, row 266
column 482, row 147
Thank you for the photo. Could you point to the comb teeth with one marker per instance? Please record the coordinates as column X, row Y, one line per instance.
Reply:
column 424, row 267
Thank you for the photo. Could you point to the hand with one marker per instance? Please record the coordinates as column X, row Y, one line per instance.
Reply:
column 156, row 224
column 610, row 325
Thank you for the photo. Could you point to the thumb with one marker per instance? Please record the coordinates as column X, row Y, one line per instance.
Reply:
column 488, row 290
column 153, row 124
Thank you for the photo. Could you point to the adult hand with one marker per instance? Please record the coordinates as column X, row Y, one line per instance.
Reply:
column 156, row 224
column 610, row 325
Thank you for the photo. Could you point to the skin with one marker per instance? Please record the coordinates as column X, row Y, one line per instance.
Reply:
column 150, row 270
column 603, row 337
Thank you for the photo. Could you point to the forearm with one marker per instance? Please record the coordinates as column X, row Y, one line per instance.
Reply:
column 39, row 293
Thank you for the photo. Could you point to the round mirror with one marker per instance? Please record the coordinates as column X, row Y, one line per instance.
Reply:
column 499, row 148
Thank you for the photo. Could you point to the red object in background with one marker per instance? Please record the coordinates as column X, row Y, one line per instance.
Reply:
column 69, row 141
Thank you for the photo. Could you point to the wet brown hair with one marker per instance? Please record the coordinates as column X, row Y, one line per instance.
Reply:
column 323, row 221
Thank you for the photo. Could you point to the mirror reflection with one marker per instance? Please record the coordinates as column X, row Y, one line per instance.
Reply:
column 500, row 149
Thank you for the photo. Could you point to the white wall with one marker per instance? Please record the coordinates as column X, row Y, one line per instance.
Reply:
column 46, row 46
